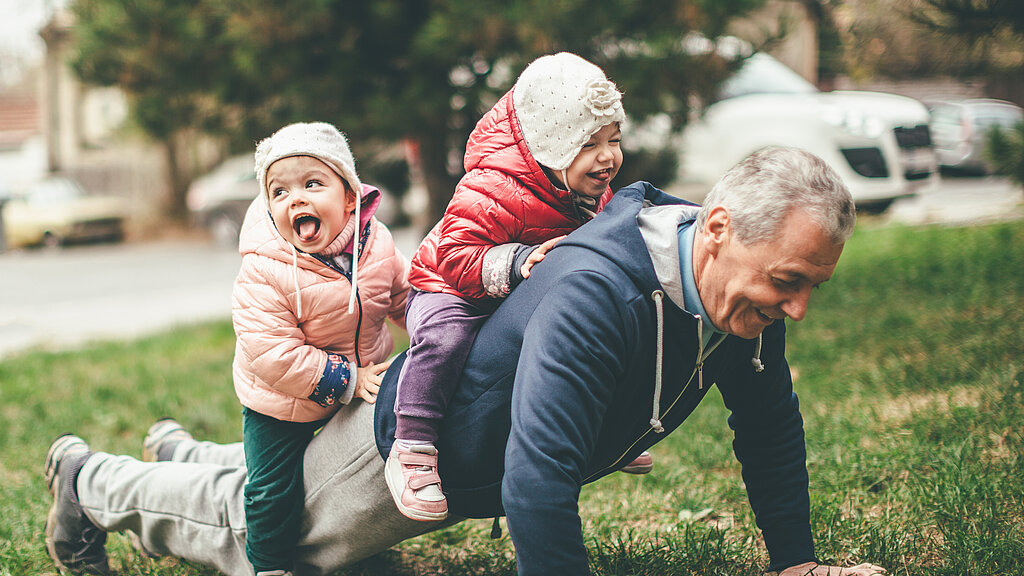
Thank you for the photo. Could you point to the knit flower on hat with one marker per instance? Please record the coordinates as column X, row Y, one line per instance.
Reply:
column 602, row 98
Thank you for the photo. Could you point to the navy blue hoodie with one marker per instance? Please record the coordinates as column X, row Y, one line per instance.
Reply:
column 559, row 387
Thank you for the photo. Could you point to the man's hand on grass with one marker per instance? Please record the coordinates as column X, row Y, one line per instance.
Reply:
column 815, row 569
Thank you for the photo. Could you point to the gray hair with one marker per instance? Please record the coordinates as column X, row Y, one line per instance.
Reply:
column 762, row 189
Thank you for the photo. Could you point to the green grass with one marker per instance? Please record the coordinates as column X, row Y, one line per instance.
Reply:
column 909, row 370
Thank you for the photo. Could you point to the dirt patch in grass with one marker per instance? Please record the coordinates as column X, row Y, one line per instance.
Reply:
column 903, row 407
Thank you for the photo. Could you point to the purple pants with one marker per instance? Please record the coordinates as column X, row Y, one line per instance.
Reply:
column 442, row 328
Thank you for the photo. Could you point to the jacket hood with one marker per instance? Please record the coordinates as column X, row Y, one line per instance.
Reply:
column 658, row 215
column 265, row 239
column 658, row 227
column 497, row 143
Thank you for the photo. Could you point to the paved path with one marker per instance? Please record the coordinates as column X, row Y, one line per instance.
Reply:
column 58, row 299
column 63, row 298
column 959, row 201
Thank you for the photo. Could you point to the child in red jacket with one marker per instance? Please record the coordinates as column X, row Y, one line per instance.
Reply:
column 538, row 166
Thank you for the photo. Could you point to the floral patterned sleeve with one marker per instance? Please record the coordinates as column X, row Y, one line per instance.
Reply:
column 333, row 386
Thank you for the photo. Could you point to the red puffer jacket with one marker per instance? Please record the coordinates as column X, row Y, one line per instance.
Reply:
column 505, row 197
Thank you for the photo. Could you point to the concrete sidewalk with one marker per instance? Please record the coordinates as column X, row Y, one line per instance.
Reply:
column 61, row 299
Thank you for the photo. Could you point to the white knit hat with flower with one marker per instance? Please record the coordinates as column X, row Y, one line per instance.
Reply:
column 561, row 100
column 327, row 144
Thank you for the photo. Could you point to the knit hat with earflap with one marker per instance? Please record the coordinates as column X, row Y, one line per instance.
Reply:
column 324, row 142
column 561, row 100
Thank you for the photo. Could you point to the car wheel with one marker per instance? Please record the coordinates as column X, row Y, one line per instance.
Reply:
column 224, row 229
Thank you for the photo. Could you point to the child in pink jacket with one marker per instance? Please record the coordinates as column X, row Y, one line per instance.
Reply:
column 319, row 276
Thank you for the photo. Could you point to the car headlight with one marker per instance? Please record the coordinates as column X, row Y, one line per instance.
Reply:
column 853, row 121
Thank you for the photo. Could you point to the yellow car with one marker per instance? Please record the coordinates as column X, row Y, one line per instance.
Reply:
column 55, row 211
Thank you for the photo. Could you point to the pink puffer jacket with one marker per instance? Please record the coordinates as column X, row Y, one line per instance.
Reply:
column 280, row 358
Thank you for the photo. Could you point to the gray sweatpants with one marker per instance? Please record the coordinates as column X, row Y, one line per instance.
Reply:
column 192, row 507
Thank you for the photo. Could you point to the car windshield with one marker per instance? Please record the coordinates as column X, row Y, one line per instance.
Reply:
column 52, row 191
column 762, row 74
column 1004, row 116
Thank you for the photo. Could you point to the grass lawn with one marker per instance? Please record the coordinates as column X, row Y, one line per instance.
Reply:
column 909, row 370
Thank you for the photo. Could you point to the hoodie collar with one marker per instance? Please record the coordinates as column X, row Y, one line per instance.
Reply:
column 694, row 305
column 668, row 231
column 658, row 226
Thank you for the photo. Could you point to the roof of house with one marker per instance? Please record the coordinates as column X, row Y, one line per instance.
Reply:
column 19, row 120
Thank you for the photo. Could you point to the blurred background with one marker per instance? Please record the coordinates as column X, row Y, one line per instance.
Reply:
column 153, row 102
column 127, row 122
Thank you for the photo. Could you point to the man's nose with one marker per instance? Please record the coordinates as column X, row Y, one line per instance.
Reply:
column 796, row 307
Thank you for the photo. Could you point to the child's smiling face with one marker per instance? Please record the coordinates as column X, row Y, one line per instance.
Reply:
column 309, row 202
column 598, row 162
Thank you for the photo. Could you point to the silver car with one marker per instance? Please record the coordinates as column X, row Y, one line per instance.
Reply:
column 960, row 128
column 218, row 201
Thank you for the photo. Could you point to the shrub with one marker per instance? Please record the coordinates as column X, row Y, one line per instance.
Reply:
column 1005, row 150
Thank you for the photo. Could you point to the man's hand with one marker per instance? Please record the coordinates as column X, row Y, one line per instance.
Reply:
column 368, row 380
column 537, row 255
column 815, row 569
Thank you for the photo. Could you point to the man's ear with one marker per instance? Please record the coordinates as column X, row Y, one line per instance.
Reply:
column 717, row 229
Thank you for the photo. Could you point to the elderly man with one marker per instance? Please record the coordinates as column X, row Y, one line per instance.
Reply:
column 607, row 348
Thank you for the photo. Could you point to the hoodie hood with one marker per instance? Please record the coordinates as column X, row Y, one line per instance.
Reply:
column 659, row 226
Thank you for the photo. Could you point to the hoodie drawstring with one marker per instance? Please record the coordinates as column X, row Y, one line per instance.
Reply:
column 756, row 360
column 658, row 295
column 295, row 279
column 355, row 253
column 700, row 352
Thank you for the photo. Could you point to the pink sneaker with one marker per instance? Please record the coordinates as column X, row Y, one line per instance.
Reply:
column 415, row 486
column 643, row 464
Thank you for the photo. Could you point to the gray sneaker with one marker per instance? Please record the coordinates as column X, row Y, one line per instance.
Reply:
column 74, row 543
column 161, row 440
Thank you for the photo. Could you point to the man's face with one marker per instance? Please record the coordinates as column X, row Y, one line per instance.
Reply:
column 746, row 288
